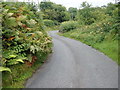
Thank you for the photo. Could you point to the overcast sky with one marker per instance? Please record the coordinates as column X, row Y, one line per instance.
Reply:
column 76, row 3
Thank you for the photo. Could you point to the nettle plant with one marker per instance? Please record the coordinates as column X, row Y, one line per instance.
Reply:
column 23, row 34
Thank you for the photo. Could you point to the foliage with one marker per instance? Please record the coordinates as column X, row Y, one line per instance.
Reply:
column 73, row 12
column 55, row 12
column 85, row 16
column 88, row 15
column 110, row 8
column 46, row 5
column 48, row 23
column 98, row 27
column 85, row 5
column 68, row 25
column 21, row 72
column 23, row 33
column 4, row 69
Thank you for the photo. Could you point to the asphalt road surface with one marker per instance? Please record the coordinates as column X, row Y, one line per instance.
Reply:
column 75, row 65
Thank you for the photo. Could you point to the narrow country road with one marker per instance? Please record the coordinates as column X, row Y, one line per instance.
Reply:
column 75, row 65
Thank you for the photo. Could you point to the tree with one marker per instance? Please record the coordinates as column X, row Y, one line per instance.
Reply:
column 86, row 5
column 45, row 5
column 84, row 15
column 73, row 12
column 55, row 12
column 109, row 9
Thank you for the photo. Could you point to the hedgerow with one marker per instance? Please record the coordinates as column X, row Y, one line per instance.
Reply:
column 23, row 34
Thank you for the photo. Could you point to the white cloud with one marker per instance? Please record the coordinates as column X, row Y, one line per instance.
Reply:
column 76, row 3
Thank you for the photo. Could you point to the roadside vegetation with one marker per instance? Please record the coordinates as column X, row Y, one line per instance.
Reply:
column 25, row 42
column 53, row 15
column 95, row 26
column 98, row 27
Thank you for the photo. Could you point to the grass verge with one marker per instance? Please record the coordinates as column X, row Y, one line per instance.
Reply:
column 108, row 47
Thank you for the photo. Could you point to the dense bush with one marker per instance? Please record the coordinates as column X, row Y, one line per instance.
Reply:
column 48, row 23
column 23, row 34
column 68, row 25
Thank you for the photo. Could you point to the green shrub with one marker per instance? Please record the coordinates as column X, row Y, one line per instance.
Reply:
column 22, row 34
column 48, row 23
column 68, row 25
column 24, row 40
